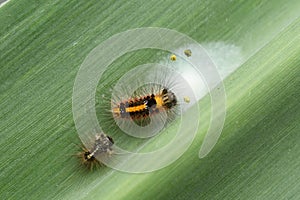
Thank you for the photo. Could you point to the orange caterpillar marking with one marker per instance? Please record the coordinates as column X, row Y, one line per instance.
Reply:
column 159, row 101
column 136, row 108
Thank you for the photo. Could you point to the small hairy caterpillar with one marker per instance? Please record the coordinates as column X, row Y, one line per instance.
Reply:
column 142, row 102
column 147, row 105
column 102, row 146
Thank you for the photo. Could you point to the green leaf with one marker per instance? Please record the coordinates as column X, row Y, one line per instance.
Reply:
column 42, row 46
